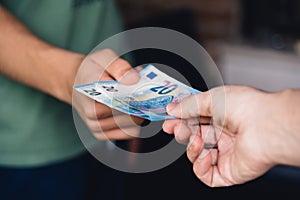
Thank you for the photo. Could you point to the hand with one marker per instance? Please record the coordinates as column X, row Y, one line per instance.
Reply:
column 52, row 70
column 104, row 122
column 246, row 129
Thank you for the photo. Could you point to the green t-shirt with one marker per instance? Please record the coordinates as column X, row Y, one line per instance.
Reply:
column 36, row 129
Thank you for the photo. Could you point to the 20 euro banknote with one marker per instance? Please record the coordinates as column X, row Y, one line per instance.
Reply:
column 147, row 99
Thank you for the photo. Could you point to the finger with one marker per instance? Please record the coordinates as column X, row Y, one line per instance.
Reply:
column 114, row 122
column 99, row 111
column 182, row 133
column 209, row 136
column 192, row 106
column 203, row 168
column 193, row 123
column 94, row 110
column 123, row 72
column 103, row 111
column 207, row 170
column 88, row 108
column 116, row 67
column 119, row 121
column 102, row 58
column 194, row 147
column 169, row 125
column 118, row 134
column 91, row 71
column 139, row 68
column 214, row 156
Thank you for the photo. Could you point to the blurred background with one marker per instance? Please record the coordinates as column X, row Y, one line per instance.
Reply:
column 253, row 42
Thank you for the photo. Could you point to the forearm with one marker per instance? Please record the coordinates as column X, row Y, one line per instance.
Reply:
column 29, row 60
column 288, row 128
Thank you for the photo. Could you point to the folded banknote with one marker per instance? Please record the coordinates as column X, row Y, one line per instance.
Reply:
column 147, row 99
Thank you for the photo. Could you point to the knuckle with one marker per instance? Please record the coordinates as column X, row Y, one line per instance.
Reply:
column 123, row 69
column 89, row 113
column 100, row 136
column 96, row 112
column 99, row 114
column 122, row 62
column 180, row 138
column 95, row 128
column 108, row 51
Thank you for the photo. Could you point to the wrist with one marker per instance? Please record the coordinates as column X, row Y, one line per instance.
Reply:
column 64, row 65
column 285, row 138
column 72, row 63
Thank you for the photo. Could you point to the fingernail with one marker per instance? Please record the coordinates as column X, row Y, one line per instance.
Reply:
column 130, row 78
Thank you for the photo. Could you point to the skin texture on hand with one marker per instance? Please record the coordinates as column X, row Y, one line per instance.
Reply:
column 104, row 122
column 248, row 127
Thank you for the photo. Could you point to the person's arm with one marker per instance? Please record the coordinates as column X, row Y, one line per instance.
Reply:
column 287, row 107
column 29, row 60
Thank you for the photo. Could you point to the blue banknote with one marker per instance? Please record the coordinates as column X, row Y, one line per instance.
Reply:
column 147, row 99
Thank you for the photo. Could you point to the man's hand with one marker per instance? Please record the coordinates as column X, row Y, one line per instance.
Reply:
column 104, row 122
column 250, row 132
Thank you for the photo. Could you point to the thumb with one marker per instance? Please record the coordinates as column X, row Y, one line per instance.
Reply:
column 193, row 106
